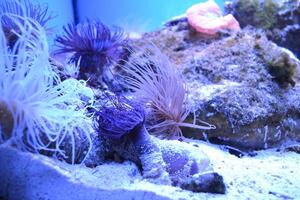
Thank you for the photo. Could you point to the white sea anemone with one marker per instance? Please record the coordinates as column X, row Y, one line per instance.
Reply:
column 46, row 112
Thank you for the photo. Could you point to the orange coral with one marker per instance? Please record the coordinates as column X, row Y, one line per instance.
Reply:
column 207, row 18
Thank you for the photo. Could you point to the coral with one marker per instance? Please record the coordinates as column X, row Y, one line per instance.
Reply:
column 157, row 82
column 47, row 114
column 23, row 8
column 93, row 45
column 207, row 18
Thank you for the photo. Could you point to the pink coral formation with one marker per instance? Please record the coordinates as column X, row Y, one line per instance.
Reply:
column 207, row 18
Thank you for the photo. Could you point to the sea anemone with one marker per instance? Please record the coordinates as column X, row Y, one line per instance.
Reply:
column 93, row 45
column 24, row 8
column 122, row 123
column 158, row 84
column 118, row 116
column 45, row 113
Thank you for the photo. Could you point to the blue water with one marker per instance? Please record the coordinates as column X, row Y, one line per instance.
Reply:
column 135, row 15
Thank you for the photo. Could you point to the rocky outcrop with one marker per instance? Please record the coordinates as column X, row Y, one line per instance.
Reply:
column 241, row 83
column 280, row 18
column 175, row 39
column 250, row 87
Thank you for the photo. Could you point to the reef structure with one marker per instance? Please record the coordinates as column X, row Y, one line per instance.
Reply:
column 279, row 18
column 219, row 71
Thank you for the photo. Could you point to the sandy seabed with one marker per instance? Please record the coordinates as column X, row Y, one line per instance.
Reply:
column 268, row 175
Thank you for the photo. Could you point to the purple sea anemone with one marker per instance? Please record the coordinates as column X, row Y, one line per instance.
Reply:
column 118, row 117
column 93, row 45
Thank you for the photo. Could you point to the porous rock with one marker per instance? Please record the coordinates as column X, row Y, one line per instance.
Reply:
column 279, row 17
column 243, row 83
column 248, row 81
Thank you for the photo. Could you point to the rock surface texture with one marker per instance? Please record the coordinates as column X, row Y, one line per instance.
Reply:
column 243, row 83
column 280, row 18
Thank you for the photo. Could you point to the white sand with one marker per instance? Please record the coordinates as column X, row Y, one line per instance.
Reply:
column 269, row 175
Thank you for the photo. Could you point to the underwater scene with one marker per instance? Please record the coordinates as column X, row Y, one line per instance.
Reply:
column 149, row 99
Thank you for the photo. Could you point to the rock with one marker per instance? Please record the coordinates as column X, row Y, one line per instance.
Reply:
column 201, row 184
column 207, row 18
column 242, row 83
column 293, row 148
column 281, row 63
column 175, row 39
column 184, row 161
column 164, row 162
column 254, row 12
column 280, row 17
column 245, row 91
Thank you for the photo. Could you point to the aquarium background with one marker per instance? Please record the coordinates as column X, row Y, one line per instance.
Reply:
column 203, row 105
column 135, row 16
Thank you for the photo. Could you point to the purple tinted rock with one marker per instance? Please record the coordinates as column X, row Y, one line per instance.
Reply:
column 210, row 182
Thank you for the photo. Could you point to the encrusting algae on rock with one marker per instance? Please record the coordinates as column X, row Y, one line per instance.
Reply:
column 279, row 18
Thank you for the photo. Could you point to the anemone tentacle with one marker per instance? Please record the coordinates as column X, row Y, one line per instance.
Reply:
column 158, row 84
column 92, row 44
column 46, row 111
